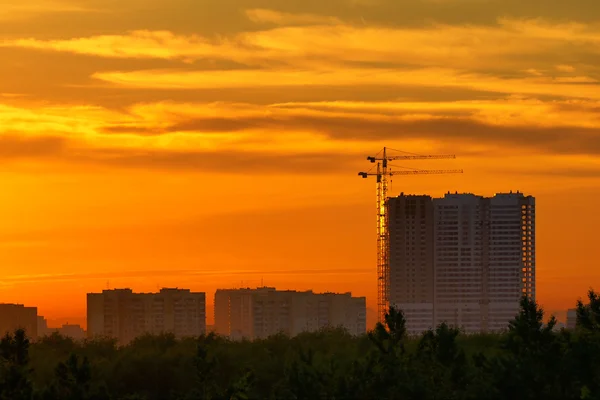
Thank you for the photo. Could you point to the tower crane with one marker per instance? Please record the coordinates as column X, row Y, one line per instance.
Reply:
column 382, row 173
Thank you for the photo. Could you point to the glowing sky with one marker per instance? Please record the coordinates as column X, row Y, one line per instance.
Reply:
column 205, row 144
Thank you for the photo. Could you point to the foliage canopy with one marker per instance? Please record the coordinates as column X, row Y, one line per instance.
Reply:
column 531, row 360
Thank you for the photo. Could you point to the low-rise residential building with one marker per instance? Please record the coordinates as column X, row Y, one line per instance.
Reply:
column 125, row 315
column 17, row 316
column 262, row 312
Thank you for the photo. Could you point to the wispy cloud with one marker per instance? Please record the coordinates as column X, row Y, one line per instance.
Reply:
column 565, row 68
column 297, row 137
column 509, row 45
column 60, row 151
column 364, row 77
column 69, row 277
column 138, row 44
column 261, row 15
column 11, row 10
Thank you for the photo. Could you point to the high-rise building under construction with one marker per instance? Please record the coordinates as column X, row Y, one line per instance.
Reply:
column 411, row 259
column 462, row 259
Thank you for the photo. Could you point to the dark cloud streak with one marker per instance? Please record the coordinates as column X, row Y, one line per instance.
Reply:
column 228, row 17
column 443, row 128
column 14, row 148
column 559, row 140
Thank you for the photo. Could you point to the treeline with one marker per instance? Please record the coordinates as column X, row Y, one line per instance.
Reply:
column 532, row 360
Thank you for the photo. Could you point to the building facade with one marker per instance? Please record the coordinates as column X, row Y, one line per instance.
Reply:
column 233, row 311
column 262, row 312
column 410, row 224
column 460, row 276
column 17, row 316
column 125, row 315
column 483, row 259
column 42, row 326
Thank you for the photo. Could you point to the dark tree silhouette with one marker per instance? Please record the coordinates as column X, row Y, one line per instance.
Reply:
column 531, row 360
column 588, row 315
column 586, row 346
column 15, row 383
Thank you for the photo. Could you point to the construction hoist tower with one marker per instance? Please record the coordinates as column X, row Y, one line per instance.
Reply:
column 382, row 173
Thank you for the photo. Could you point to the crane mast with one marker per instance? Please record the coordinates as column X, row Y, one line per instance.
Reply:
column 383, row 247
column 383, row 270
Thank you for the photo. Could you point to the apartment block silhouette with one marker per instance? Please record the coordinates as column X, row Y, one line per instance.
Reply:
column 262, row 312
column 125, row 315
column 462, row 259
column 17, row 316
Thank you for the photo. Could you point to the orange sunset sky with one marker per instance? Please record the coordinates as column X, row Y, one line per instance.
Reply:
column 215, row 143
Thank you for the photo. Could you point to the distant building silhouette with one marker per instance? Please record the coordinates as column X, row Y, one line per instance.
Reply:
column 42, row 326
column 125, row 315
column 463, row 259
column 72, row 331
column 262, row 312
column 17, row 316
column 571, row 318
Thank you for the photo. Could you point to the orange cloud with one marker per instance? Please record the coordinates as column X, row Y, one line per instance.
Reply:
column 328, row 41
column 260, row 15
column 138, row 44
column 173, row 135
column 565, row 68
column 323, row 78
column 23, row 10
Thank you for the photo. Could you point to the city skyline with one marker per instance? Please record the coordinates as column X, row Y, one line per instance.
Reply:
column 462, row 259
column 202, row 143
column 560, row 313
